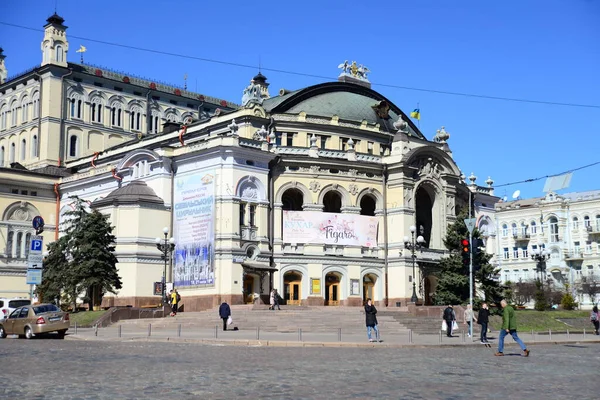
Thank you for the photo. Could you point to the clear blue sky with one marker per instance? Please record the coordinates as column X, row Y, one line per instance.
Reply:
column 545, row 50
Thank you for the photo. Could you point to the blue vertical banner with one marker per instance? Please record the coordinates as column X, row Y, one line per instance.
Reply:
column 194, row 201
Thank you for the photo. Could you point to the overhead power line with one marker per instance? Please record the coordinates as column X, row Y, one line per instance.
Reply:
column 281, row 71
column 548, row 176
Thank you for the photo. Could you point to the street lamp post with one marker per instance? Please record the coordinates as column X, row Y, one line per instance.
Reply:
column 413, row 245
column 166, row 247
column 540, row 256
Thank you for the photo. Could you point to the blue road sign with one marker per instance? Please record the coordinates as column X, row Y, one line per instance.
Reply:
column 36, row 245
column 38, row 222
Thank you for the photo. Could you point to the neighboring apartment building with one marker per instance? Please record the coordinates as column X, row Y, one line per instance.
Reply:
column 567, row 226
column 58, row 112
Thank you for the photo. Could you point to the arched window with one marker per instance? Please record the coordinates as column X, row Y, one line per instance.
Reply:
column 575, row 223
column 34, row 146
column 12, row 154
column 292, row 200
column 59, row 53
column 504, row 230
column 116, row 111
column 25, row 109
column 367, row 206
column 73, row 146
column 598, row 223
column 23, row 149
column 155, row 121
column 586, row 221
column 135, row 118
column 553, row 229
column 3, row 117
column 523, row 229
column 533, row 227
column 36, row 104
column 514, row 231
column 2, row 156
column 96, row 110
column 332, row 202
column 76, row 104
column 46, row 52
column 13, row 113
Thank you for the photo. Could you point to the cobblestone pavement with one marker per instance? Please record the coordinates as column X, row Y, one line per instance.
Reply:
column 77, row 369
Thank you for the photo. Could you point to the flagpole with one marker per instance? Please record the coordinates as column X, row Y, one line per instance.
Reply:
column 419, row 119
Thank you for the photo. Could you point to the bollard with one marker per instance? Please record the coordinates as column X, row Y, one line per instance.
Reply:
column 583, row 333
column 118, row 331
column 339, row 334
column 440, row 336
column 567, row 334
column 299, row 334
column 410, row 337
column 216, row 331
column 149, row 329
column 463, row 336
column 257, row 333
column 96, row 329
column 76, row 327
column 532, row 336
column 179, row 330
column 550, row 334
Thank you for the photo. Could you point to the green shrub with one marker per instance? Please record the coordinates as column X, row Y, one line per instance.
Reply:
column 568, row 302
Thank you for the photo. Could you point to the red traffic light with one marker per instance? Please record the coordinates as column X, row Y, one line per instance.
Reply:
column 465, row 245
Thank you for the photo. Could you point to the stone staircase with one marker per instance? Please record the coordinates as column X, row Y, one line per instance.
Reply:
column 288, row 319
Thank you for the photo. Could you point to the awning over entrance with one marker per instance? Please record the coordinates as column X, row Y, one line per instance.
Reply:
column 258, row 266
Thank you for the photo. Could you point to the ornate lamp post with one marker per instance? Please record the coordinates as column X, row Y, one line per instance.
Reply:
column 413, row 245
column 166, row 247
column 540, row 257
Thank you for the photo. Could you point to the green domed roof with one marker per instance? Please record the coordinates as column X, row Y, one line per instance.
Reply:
column 346, row 100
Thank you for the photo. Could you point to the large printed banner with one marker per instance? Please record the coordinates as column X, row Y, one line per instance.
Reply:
column 194, row 230
column 329, row 228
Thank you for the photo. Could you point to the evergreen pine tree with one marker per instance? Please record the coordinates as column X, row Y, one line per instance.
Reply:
column 82, row 260
column 453, row 279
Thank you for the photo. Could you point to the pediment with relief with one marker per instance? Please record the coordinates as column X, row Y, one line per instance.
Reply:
column 20, row 211
column 428, row 168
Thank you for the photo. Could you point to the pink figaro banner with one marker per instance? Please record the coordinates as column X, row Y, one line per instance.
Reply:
column 329, row 228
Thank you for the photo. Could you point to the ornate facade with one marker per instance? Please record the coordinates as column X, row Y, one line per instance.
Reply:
column 311, row 191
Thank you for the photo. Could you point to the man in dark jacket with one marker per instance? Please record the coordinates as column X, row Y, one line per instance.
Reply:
column 483, row 318
column 449, row 317
column 224, row 313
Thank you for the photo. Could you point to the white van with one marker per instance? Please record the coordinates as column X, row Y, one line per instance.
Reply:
column 8, row 305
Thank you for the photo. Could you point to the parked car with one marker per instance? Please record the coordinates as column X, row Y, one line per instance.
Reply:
column 8, row 305
column 31, row 320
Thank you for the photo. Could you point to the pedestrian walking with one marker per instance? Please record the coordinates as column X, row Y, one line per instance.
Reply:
column 449, row 319
column 483, row 318
column 509, row 326
column 272, row 300
column 371, row 320
column 595, row 318
column 224, row 313
column 175, row 298
column 468, row 316
column 276, row 300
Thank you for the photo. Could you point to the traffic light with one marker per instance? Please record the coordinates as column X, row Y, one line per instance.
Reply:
column 465, row 251
column 478, row 245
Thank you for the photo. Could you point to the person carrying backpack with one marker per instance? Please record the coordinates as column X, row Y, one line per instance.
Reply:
column 595, row 319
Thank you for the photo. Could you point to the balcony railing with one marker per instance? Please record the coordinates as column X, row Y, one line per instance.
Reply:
column 593, row 228
column 574, row 255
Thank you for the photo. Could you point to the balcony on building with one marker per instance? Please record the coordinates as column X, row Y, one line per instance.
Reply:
column 574, row 256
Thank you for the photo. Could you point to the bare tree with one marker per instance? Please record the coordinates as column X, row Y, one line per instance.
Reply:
column 590, row 285
column 524, row 292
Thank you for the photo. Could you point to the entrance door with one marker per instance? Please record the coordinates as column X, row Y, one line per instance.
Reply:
column 293, row 293
column 332, row 294
column 248, row 289
column 368, row 291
